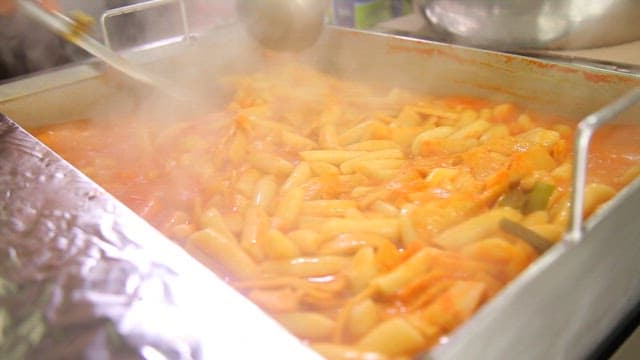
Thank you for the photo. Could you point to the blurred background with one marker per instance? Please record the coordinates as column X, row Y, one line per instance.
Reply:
column 603, row 33
column 26, row 47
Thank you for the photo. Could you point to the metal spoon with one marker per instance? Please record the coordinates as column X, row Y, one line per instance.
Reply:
column 283, row 24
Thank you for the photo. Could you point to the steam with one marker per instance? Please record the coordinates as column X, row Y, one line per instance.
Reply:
column 28, row 47
column 190, row 69
column 225, row 50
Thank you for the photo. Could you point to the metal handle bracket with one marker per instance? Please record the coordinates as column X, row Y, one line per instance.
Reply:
column 586, row 128
column 128, row 9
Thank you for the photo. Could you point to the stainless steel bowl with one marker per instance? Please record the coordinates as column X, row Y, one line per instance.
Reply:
column 533, row 24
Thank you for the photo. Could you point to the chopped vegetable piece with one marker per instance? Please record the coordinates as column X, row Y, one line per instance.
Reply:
column 538, row 197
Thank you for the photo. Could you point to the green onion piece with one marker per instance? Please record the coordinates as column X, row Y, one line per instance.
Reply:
column 538, row 197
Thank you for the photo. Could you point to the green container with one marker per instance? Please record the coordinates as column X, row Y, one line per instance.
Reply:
column 361, row 14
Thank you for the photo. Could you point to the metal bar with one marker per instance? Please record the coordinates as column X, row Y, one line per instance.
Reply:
column 586, row 128
column 52, row 20
column 631, row 69
column 128, row 9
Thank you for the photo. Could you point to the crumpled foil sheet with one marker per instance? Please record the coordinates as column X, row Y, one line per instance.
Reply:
column 82, row 276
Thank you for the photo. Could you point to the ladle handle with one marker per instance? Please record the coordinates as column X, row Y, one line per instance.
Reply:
column 586, row 128
column 70, row 30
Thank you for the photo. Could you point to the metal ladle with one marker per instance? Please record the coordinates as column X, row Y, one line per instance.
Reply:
column 290, row 25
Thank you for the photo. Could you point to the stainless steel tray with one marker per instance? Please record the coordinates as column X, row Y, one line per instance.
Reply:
column 560, row 307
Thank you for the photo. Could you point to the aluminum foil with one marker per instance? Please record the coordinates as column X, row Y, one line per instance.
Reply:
column 82, row 276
